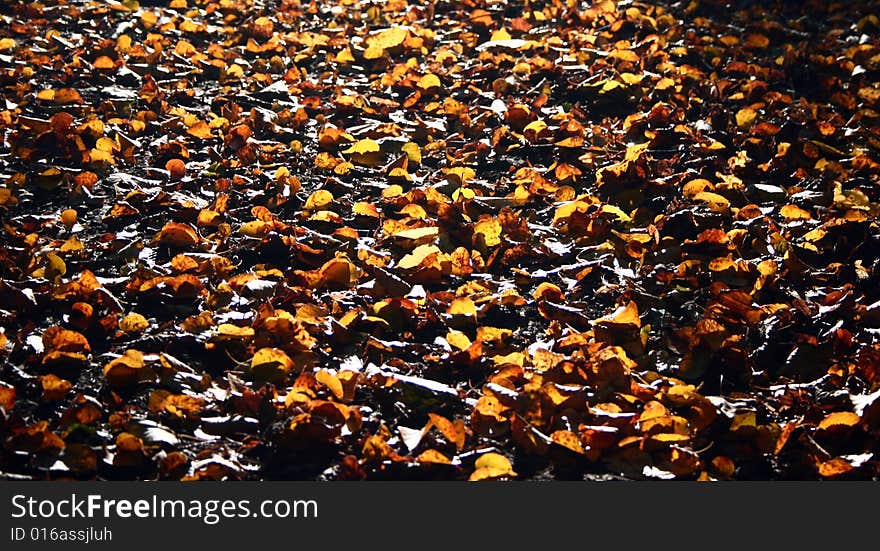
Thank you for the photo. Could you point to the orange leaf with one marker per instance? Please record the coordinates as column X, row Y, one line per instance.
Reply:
column 452, row 432
column 432, row 456
column 569, row 440
column 7, row 397
column 834, row 467
column 331, row 382
column 175, row 234
column 65, row 96
column 487, row 233
column 103, row 63
column 839, row 419
column 127, row 370
column 200, row 130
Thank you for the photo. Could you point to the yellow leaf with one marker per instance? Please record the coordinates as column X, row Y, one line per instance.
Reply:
column 55, row 266
column 548, row 291
column 365, row 152
column 429, row 82
column 744, row 421
column 627, row 315
column 234, row 72
column 692, row 188
column 433, row 456
column 487, row 231
column 319, row 200
column 149, row 19
column 7, row 397
column 343, row 168
column 664, row 84
column 363, row 208
column 391, row 191
column 499, row 35
column 462, row 306
column 457, row 339
column 344, row 56
column 339, row 272
column 625, row 55
column 460, row 174
column 398, row 174
column 418, row 233
column 462, row 194
column 488, row 334
column 715, row 202
column 373, row 52
column 793, row 212
column 835, row 467
column 123, row 44
column 71, row 245
column 255, row 228
column 230, row 331
column 413, row 153
column 47, row 94
column 572, row 142
column 453, row 431
column 491, row 466
column 126, row 370
column 7, row 198
column 388, row 38
column 106, row 144
column 534, row 130
column 417, row 256
column 272, row 364
column 6, row 44
column 54, row 387
column 133, row 323
column 362, row 147
column 745, row 117
column 630, row 78
column 99, row 157
column 617, row 212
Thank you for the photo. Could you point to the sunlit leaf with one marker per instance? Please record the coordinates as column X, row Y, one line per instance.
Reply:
column 492, row 466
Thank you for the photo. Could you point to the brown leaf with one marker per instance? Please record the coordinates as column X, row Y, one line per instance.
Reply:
column 7, row 397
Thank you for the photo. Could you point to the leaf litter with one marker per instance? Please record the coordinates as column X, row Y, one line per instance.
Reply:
column 439, row 240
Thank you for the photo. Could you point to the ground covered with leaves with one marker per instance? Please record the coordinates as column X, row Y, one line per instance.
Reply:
column 439, row 240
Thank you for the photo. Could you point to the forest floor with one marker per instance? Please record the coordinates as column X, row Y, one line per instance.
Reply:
column 439, row 241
